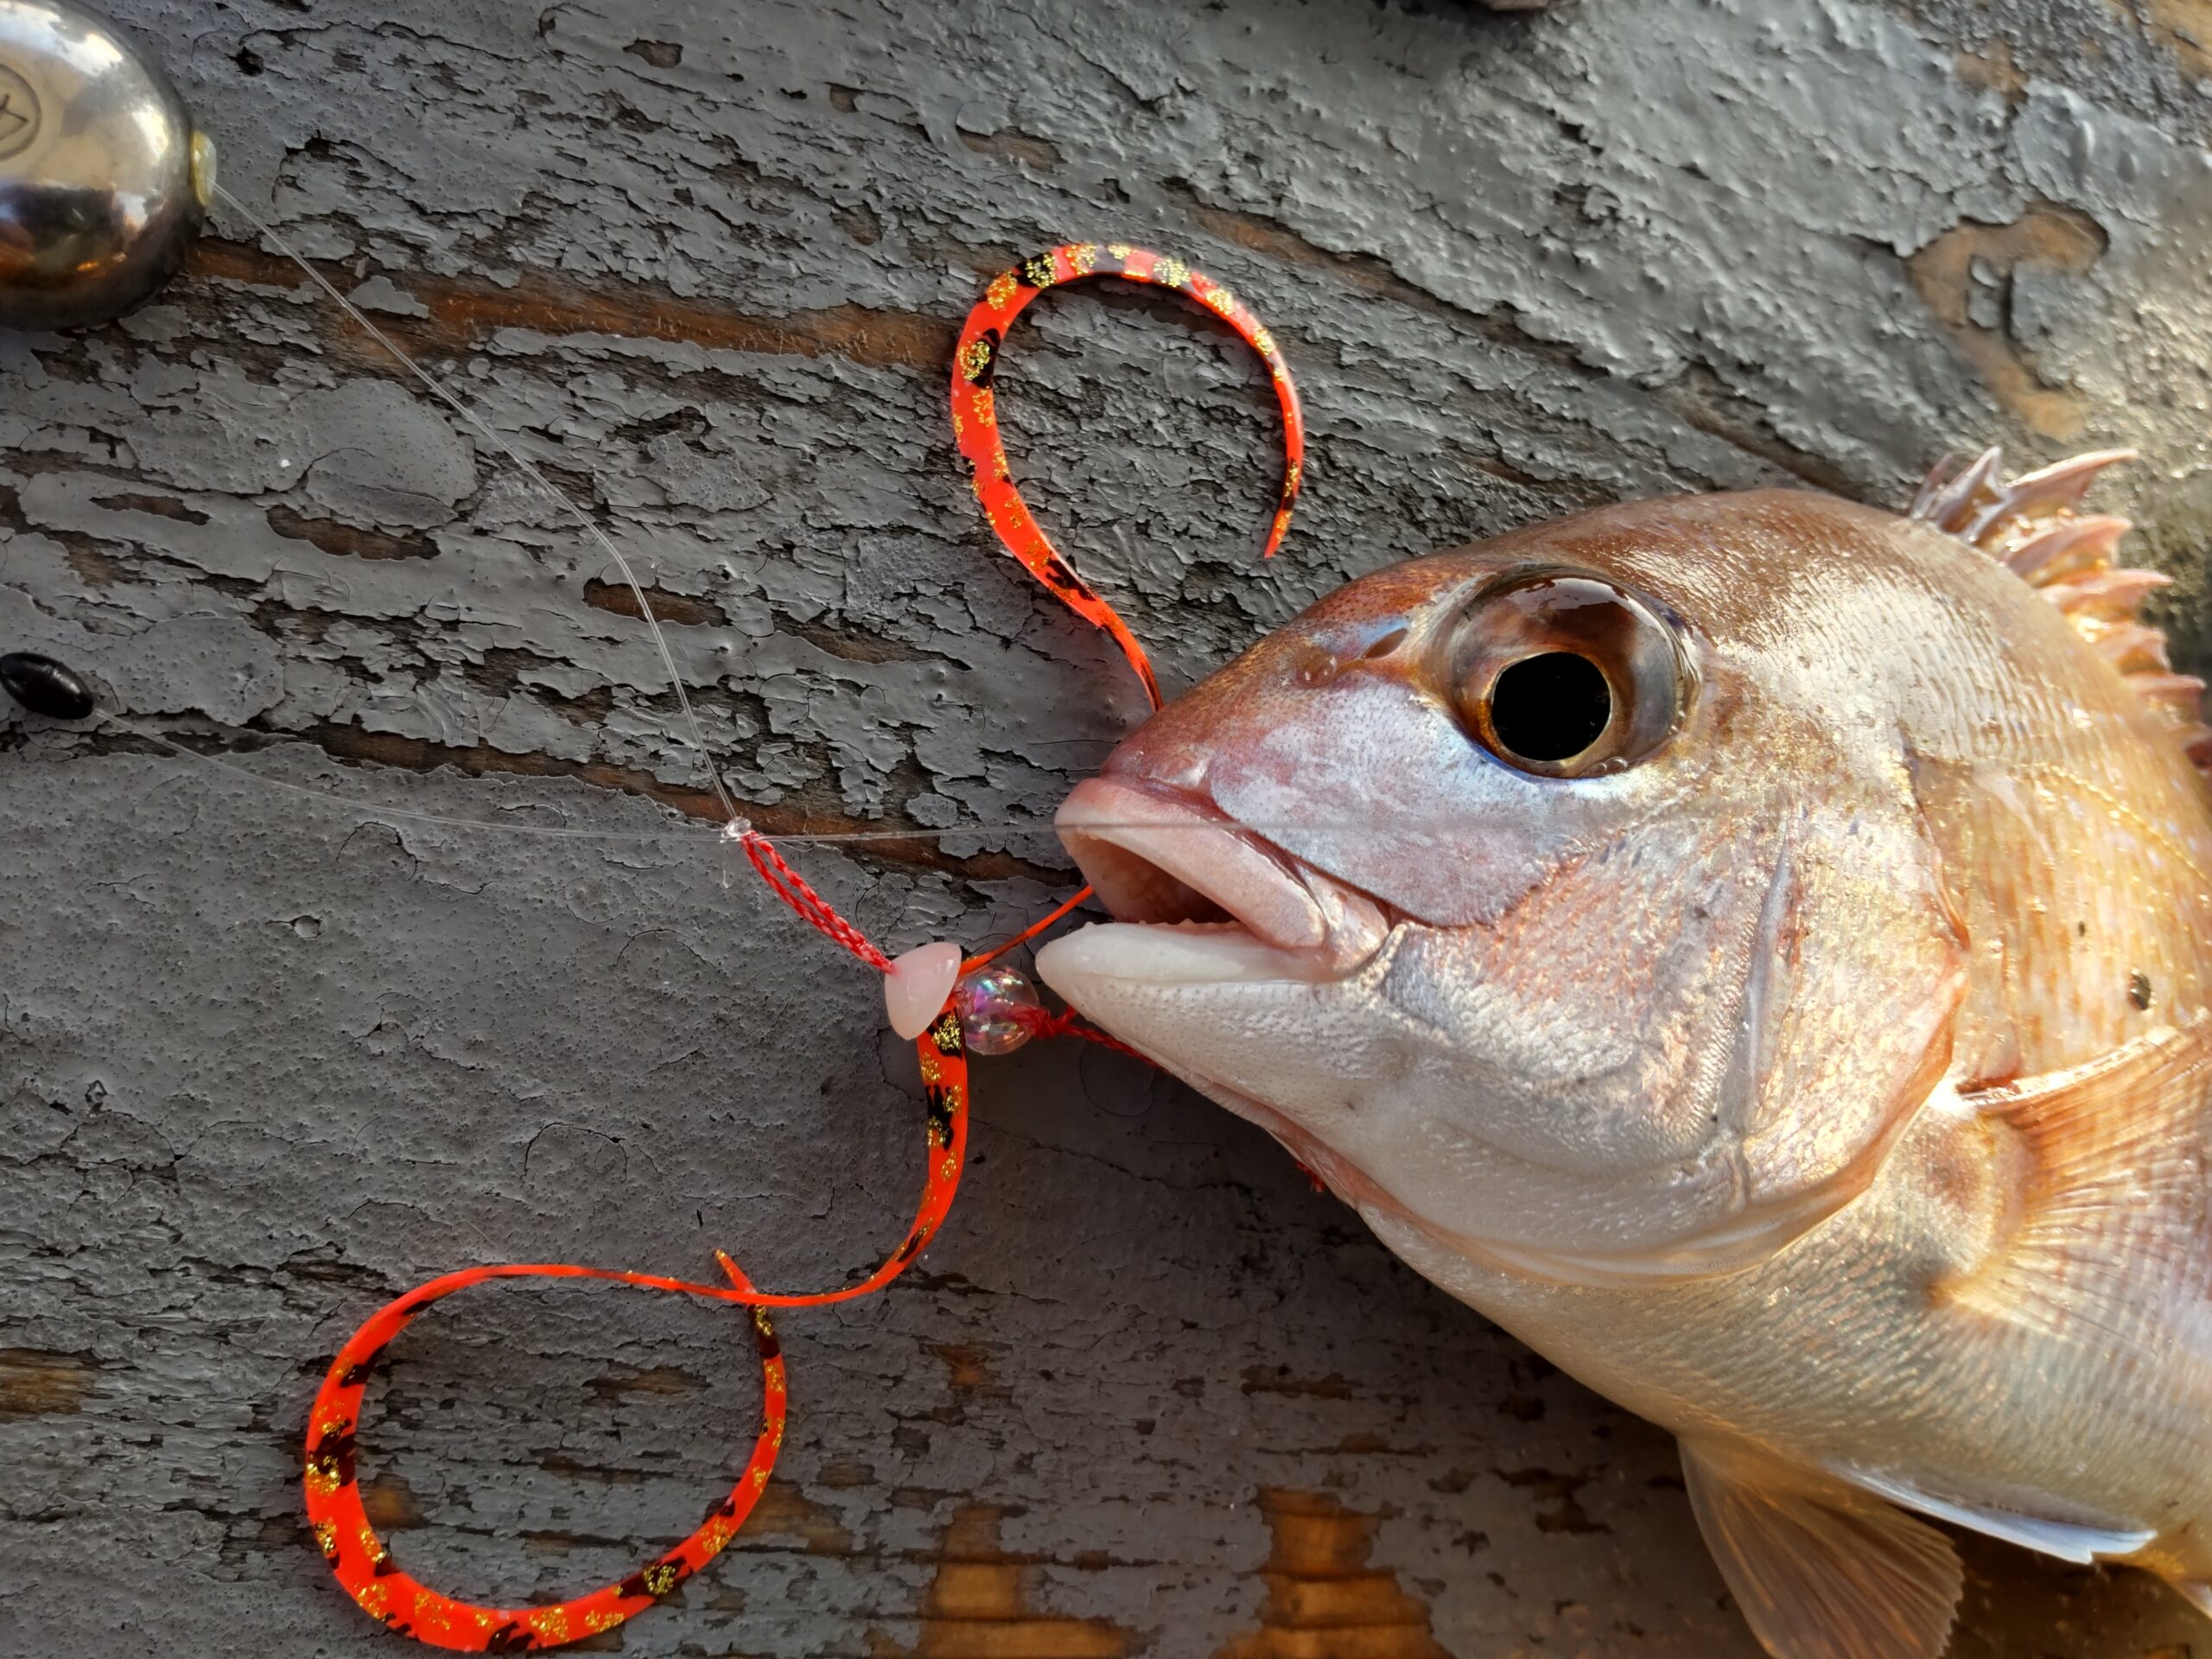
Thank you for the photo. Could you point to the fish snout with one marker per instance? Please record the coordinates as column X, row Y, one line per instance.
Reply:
column 1166, row 858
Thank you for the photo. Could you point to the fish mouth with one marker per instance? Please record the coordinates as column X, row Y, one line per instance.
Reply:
column 1196, row 896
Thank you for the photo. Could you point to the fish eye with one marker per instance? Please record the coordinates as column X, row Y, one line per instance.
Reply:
column 1564, row 676
column 1550, row 707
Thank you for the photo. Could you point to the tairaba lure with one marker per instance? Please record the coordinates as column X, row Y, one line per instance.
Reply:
column 1771, row 979
column 945, row 1003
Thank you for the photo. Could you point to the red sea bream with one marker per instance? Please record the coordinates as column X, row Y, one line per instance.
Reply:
column 1755, row 947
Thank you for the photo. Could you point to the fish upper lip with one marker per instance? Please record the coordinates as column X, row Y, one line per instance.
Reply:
column 1159, row 854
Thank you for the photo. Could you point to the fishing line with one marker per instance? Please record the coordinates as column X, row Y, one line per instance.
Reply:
column 529, row 470
column 377, row 811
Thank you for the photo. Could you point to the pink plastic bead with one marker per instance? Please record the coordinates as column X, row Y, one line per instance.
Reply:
column 916, row 986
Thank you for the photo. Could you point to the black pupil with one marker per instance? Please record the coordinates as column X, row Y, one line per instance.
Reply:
column 1550, row 707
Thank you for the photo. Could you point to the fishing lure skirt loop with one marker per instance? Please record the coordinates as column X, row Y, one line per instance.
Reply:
column 387, row 1593
column 975, row 426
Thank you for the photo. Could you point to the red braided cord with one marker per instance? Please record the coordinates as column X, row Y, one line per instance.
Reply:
column 1025, row 936
column 1068, row 1023
column 788, row 885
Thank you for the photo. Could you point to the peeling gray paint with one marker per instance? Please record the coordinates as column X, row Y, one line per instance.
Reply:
column 266, row 1061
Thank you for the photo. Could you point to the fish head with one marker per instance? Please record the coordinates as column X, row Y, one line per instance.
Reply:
column 1562, row 896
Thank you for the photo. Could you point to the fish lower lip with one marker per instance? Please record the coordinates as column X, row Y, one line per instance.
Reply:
column 1160, row 857
column 1172, row 953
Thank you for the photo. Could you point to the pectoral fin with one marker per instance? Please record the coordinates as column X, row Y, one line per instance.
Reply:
column 1821, row 1569
column 2107, row 1249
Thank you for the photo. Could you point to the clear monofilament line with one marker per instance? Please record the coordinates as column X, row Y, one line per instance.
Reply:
column 529, row 470
column 372, row 811
column 366, row 812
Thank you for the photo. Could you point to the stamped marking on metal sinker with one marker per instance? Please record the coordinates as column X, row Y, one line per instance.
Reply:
column 18, row 113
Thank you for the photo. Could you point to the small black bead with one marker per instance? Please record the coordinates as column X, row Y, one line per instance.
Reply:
column 44, row 686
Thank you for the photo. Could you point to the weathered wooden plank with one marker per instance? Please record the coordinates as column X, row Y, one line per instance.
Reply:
column 264, row 1063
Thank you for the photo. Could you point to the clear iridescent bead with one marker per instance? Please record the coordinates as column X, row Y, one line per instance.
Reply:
column 996, row 1005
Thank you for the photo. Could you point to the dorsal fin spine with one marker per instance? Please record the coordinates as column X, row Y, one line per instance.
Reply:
column 2033, row 525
